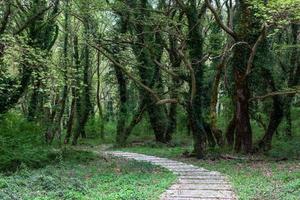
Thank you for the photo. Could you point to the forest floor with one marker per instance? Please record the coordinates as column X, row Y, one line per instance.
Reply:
column 31, row 170
column 84, row 175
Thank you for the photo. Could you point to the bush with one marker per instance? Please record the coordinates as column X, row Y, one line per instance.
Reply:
column 21, row 144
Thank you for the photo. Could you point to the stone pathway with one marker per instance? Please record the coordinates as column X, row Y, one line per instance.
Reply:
column 192, row 183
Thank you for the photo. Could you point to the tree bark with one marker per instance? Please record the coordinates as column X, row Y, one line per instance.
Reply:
column 195, row 45
column 100, row 110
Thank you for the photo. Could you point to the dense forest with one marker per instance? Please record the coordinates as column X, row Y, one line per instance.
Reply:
column 217, row 78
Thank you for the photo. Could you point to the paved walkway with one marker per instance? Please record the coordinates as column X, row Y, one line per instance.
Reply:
column 193, row 182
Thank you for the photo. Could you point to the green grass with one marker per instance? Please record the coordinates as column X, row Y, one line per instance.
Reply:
column 32, row 170
column 87, row 176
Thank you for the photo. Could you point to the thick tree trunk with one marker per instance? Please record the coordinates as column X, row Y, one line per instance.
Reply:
column 195, row 45
column 247, row 29
column 148, row 70
column 276, row 116
column 243, row 139
column 198, row 131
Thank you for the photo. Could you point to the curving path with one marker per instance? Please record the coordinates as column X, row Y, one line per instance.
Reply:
column 192, row 183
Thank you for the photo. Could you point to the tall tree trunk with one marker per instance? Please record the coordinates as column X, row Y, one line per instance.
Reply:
column 175, row 64
column 276, row 114
column 78, row 124
column 243, row 139
column 58, row 122
column 195, row 106
column 100, row 110
column 122, row 114
column 148, row 49
column 247, row 29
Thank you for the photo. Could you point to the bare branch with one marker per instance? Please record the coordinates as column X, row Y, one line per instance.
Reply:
column 166, row 101
column 219, row 21
column 117, row 64
column 288, row 92
column 161, row 66
column 192, row 73
column 254, row 49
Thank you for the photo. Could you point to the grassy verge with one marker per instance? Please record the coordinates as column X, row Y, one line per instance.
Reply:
column 87, row 176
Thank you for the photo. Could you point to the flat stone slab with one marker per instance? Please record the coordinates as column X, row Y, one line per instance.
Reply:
column 193, row 183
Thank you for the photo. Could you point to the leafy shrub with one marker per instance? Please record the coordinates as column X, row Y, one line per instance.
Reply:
column 21, row 144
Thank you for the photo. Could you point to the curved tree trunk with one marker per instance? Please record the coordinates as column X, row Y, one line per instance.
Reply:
column 276, row 114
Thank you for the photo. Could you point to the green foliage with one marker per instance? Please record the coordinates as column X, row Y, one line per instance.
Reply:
column 21, row 144
column 277, row 12
column 93, row 128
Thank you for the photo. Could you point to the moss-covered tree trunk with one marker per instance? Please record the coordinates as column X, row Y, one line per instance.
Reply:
column 247, row 30
column 123, row 111
column 175, row 65
column 149, row 48
column 195, row 105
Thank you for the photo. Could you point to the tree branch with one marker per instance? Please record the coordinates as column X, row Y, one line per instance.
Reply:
column 288, row 92
column 4, row 20
column 118, row 65
column 254, row 49
column 219, row 21
column 192, row 73
column 32, row 18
